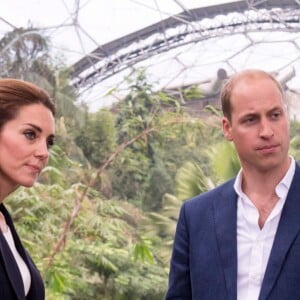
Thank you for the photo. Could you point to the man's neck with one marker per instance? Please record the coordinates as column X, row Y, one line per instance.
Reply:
column 260, row 188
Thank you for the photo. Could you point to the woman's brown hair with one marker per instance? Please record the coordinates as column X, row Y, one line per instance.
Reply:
column 15, row 93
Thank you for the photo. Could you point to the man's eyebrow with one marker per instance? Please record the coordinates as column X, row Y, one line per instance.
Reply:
column 274, row 109
column 250, row 114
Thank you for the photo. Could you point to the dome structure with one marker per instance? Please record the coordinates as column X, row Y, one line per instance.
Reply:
column 177, row 42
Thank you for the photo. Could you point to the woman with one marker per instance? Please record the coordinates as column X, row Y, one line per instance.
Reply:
column 26, row 134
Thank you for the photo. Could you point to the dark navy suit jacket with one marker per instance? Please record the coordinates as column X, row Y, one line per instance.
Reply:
column 11, row 284
column 204, row 259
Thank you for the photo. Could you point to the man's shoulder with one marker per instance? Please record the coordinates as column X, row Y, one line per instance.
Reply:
column 297, row 167
column 215, row 193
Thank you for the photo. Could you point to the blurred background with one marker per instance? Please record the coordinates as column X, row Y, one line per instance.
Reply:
column 136, row 84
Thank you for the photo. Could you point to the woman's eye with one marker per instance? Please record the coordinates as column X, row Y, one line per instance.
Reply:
column 30, row 135
column 50, row 142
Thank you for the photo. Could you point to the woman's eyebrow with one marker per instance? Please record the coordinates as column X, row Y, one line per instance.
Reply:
column 34, row 126
column 39, row 129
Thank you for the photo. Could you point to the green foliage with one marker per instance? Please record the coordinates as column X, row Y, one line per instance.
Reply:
column 100, row 247
column 64, row 94
column 138, row 168
column 97, row 138
column 160, row 182
column 141, row 107
column 160, row 227
column 295, row 140
column 129, row 173
column 193, row 92
column 191, row 181
column 224, row 161
column 22, row 51
column 145, row 172
column 141, row 251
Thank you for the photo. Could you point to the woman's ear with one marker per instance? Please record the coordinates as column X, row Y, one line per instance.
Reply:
column 226, row 126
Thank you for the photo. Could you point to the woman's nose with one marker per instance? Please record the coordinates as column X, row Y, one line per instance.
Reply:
column 42, row 150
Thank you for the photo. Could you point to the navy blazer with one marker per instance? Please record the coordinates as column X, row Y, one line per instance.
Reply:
column 204, row 259
column 11, row 284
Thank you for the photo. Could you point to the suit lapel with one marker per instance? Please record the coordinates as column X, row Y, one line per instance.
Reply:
column 12, row 269
column 37, row 290
column 288, row 228
column 225, row 212
column 10, row 264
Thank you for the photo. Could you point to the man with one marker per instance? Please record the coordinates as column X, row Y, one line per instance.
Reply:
column 241, row 240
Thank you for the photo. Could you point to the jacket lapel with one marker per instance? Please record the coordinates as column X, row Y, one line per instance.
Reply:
column 37, row 290
column 288, row 228
column 12, row 269
column 9, row 261
column 225, row 212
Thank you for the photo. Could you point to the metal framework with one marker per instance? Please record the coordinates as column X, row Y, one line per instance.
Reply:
column 190, row 26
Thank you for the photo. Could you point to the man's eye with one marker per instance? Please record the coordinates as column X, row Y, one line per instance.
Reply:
column 249, row 120
column 276, row 115
column 30, row 135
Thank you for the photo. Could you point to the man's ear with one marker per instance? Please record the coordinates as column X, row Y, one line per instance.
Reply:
column 226, row 126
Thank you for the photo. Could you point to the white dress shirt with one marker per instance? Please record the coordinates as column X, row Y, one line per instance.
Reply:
column 254, row 244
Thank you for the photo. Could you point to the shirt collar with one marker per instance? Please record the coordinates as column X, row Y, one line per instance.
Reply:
column 281, row 189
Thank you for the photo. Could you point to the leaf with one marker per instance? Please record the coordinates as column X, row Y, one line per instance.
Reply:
column 142, row 252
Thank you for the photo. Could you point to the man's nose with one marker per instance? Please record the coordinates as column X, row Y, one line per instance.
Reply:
column 266, row 130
